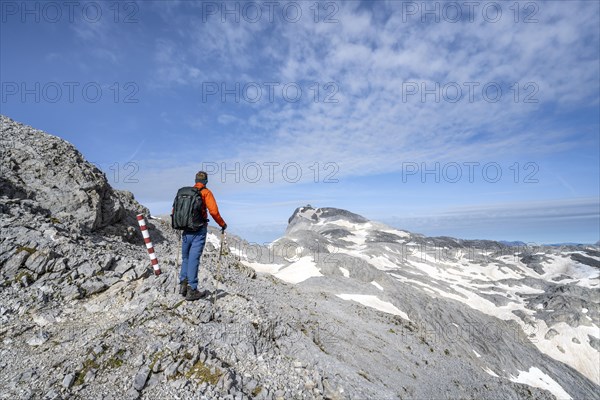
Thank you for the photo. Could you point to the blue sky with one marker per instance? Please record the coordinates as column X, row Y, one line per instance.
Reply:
column 499, row 103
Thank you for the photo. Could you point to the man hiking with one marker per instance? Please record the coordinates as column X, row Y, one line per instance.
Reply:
column 189, row 214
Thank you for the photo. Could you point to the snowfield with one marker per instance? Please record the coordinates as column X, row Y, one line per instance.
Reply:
column 299, row 271
column 535, row 377
column 497, row 281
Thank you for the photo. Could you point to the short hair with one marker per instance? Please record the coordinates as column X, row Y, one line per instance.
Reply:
column 201, row 176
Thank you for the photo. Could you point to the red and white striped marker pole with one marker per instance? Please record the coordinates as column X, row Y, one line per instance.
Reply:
column 149, row 246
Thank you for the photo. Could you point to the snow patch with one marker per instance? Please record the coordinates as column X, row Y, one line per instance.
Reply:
column 536, row 378
column 345, row 272
column 581, row 356
column 580, row 274
column 299, row 271
column 381, row 263
column 296, row 257
column 377, row 285
column 403, row 234
column 214, row 240
column 266, row 268
column 374, row 302
column 476, row 353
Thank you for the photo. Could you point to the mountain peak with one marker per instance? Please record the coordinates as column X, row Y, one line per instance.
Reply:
column 315, row 215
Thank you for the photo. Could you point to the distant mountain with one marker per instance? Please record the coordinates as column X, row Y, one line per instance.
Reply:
column 572, row 244
column 514, row 243
column 513, row 313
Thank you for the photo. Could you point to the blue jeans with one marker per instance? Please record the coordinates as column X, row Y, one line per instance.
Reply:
column 192, row 245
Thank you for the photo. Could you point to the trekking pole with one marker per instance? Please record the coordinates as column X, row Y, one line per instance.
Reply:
column 177, row 266
column 218, row 271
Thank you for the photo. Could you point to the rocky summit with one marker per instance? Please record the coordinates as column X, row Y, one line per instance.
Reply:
column 340, row 307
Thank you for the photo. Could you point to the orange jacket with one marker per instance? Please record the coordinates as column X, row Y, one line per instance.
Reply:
column 209, row 202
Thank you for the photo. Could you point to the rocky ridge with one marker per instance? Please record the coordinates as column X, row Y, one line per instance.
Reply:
column 83, row 316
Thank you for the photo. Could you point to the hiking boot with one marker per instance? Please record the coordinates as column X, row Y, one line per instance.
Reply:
column 194, row 294
column 183, row 288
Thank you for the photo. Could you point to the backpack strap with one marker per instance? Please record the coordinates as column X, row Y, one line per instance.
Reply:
column 203, row 204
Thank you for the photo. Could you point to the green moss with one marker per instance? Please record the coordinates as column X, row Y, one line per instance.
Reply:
column 364, row 375
column 155, row 359
column 90, row 364
column 178, row 304
column 320, row 346
column 55, row 220
column 79, row 379
column 24, row 274
column 447, row 352
column 256, row 391
column 115, row 361
column 27, row 249
column 201, row 373
column 87, row 365
column 391, row 331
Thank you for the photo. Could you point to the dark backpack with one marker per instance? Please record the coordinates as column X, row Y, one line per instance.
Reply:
column 187, row 209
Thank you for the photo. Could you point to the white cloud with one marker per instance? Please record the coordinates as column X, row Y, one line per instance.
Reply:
column 226, row 119
column 370, row 54
column 370, row 63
